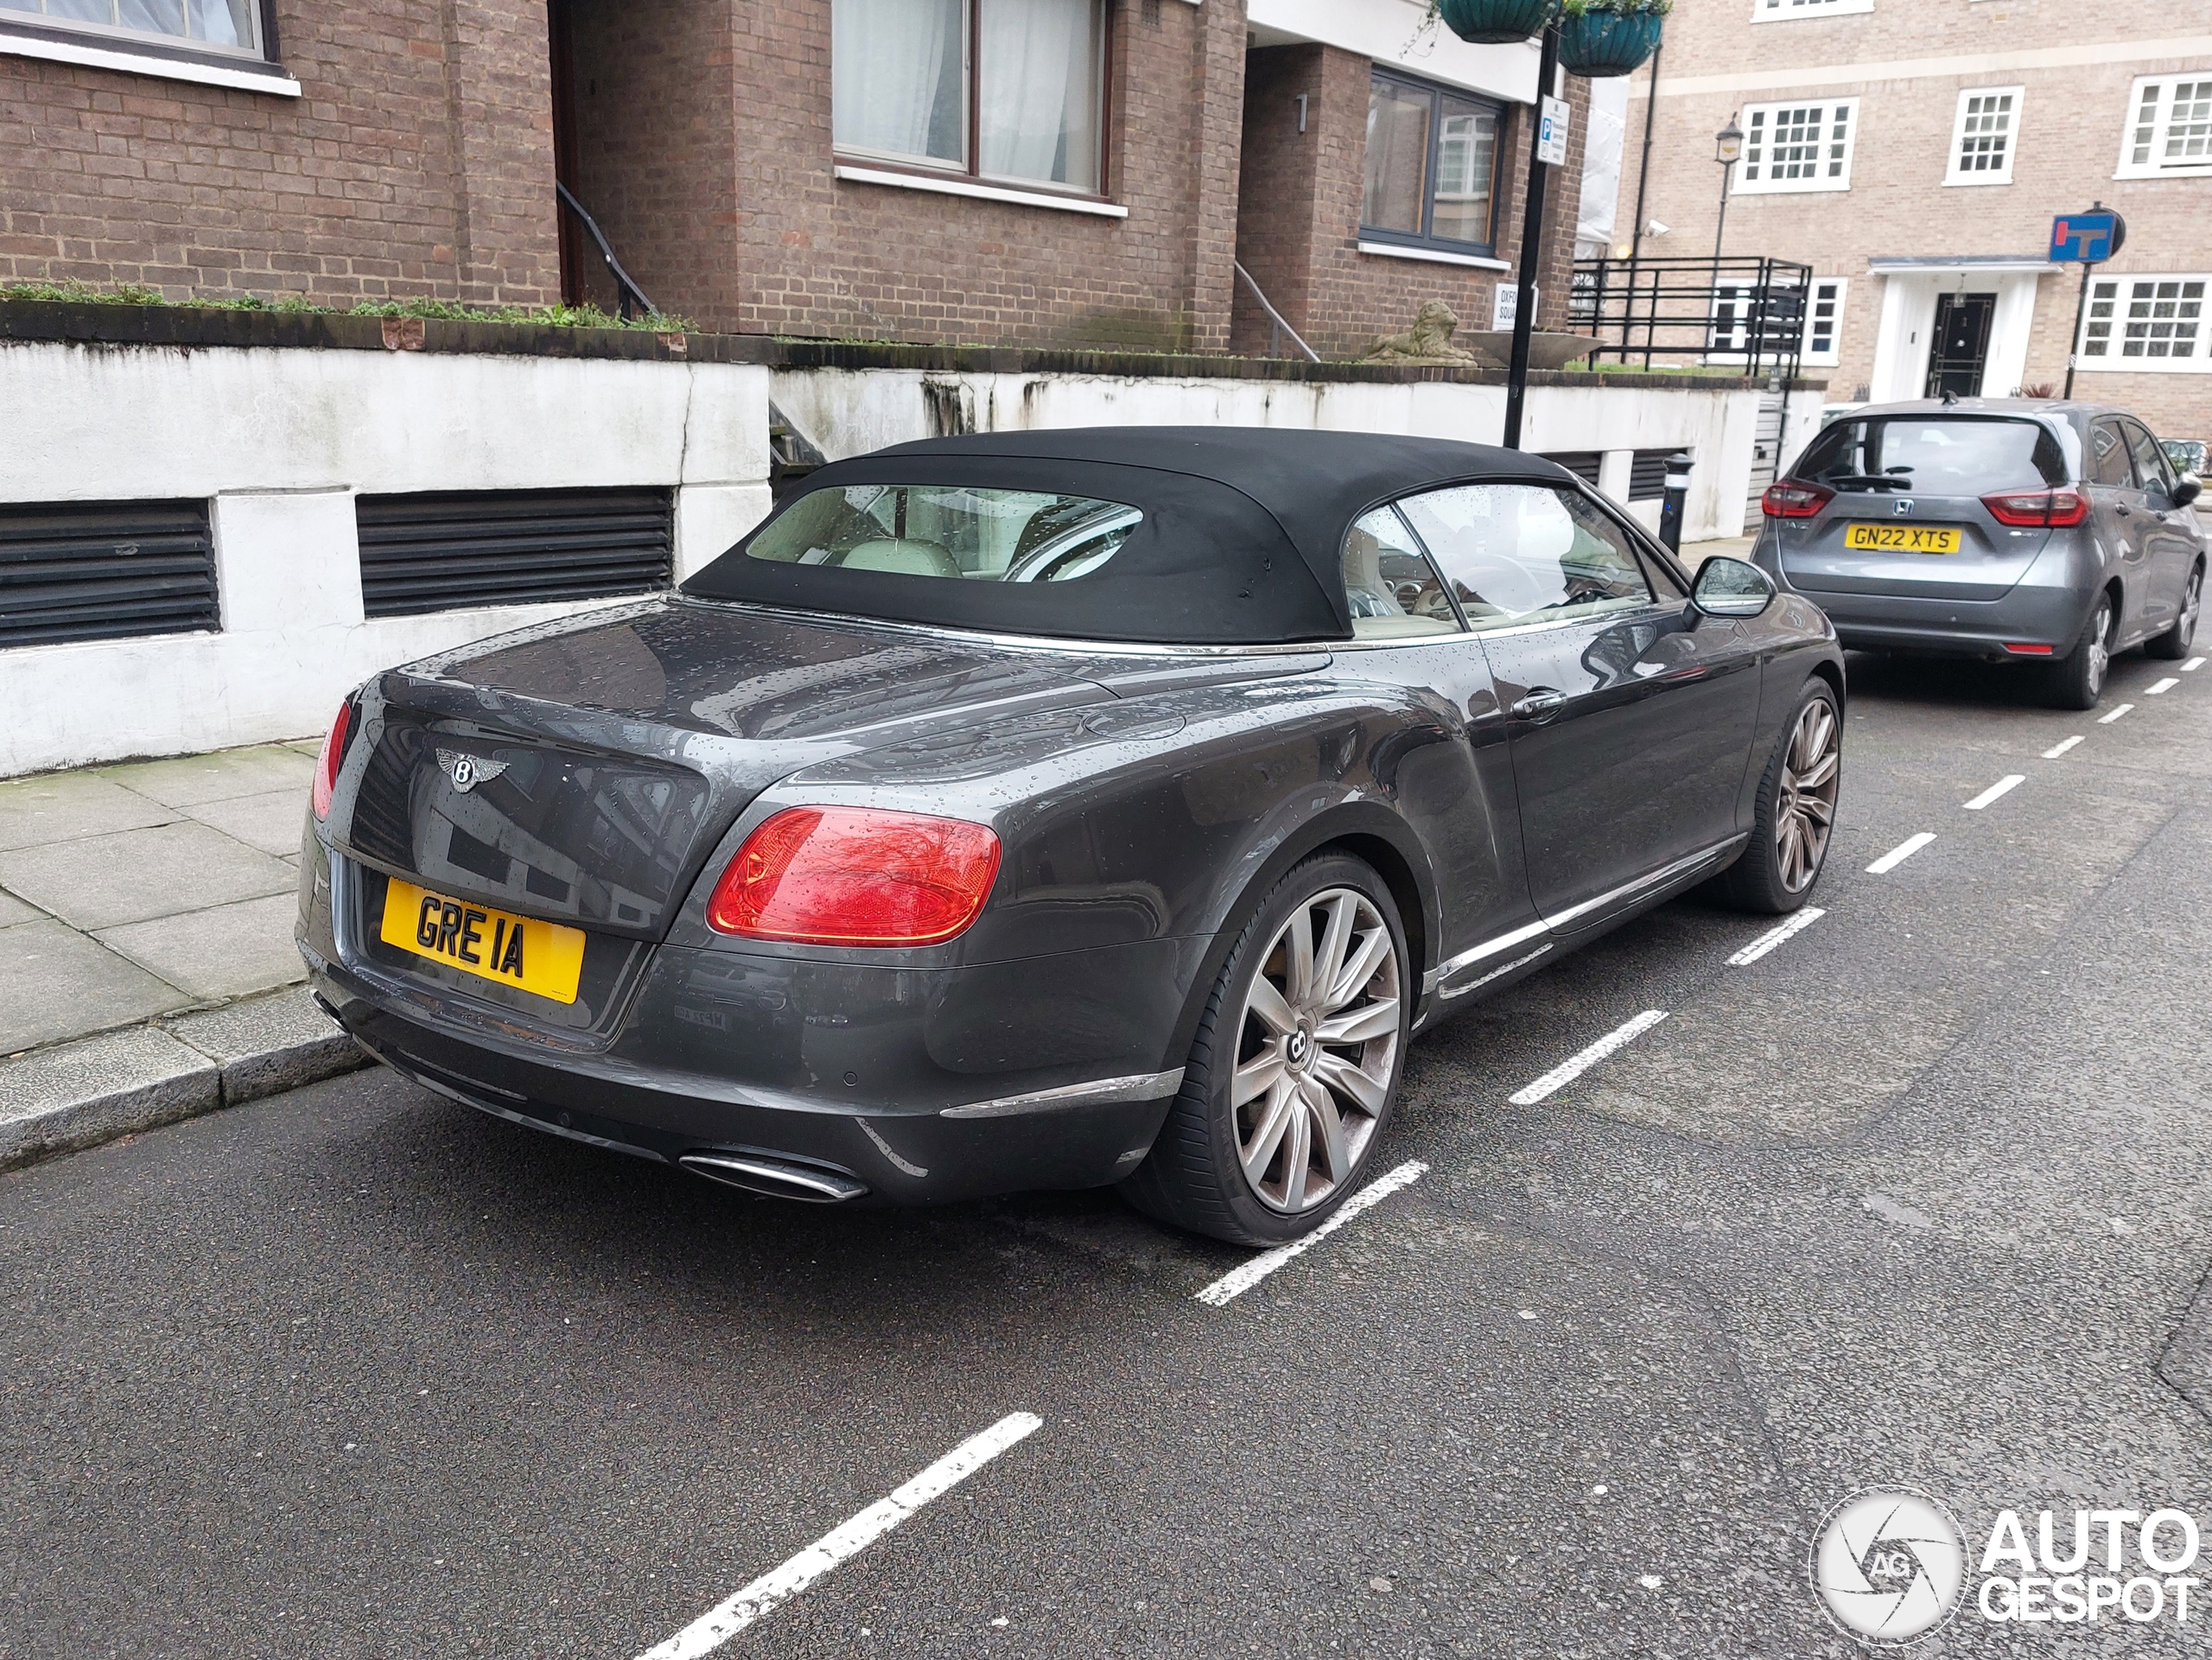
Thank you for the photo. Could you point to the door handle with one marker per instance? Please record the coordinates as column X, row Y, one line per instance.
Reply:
column 2121, row 509
column 1541, row 700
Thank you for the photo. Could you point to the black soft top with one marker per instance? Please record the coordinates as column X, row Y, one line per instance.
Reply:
column 1243, row 533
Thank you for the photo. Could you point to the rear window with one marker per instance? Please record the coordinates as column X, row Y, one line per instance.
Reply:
column 1937, row 456
column 956, row 531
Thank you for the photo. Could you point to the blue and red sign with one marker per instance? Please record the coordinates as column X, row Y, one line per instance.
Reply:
column 2087, row 239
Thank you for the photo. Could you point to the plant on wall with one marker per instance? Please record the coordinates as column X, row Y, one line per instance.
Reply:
column 1598, row 39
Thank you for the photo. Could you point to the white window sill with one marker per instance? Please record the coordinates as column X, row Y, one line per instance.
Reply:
column 2196, row 365
column 1764, row 13
column 980, row 192
column 1968, row 180
column 2205, row 172
column 1433, row 256
column 147, row 63
column 1839, row 188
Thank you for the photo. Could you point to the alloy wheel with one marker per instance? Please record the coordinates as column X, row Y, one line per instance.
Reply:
column 1317, row 1050
column 2192, row 601
column 2100, row 646
column 1812, row 769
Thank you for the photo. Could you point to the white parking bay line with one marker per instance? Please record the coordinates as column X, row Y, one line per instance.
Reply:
column 2157, row 686
column 716, row 1626
column 2061, row 747
column 1567, row 1070
column 1240, row 1279
column 2003, row 787
column 1767, row 941
column 2107, row 720
column 2193, row 664
column 1897, row 855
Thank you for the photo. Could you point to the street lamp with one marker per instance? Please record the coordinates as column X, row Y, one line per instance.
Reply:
column 1727, row 150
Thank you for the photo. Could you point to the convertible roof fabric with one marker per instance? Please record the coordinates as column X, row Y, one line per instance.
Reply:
column 1243, row 531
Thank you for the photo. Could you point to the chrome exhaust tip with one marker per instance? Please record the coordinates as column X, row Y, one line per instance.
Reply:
column 775, row 1178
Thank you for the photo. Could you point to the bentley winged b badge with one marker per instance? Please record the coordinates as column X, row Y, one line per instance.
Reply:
column 466, row 772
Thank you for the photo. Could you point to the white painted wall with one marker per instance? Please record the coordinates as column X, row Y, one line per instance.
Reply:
column 850, row 411
column 281, row 442
column 1397, row 31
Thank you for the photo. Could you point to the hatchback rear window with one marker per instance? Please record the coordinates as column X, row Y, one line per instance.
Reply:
column 929, row 529
column 1936, row 455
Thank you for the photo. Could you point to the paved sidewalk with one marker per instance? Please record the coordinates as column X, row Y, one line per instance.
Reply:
column 147, row 969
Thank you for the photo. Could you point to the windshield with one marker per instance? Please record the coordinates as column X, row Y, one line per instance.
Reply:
column 952, row 531
column 1937, row 456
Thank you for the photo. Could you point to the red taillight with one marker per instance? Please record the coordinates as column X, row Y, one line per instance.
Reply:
column 2037, row 510
column 855, row 876
column 326, row 764
column 1794, row 499
column 2020, row 649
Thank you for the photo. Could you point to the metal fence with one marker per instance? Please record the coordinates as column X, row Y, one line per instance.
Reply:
column 1746, row 314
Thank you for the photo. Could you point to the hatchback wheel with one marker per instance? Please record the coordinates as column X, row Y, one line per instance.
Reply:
column 2177, row 640
column 1795, row 814
column 2080, row 674
column 1294, row 1067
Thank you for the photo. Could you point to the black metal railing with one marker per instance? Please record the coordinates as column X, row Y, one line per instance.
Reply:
column 1744, row 313
column 629, row 298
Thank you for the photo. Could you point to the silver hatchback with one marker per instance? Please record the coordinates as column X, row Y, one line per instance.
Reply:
column 2002, row 529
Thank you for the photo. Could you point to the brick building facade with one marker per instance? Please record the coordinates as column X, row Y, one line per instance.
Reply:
column 1914, row 153
column 402, row 148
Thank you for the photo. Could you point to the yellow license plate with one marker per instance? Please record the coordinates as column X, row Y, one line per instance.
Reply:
column 1901, row 538
column 538, row 957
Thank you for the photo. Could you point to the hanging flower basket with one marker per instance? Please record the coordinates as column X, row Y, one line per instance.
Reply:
column 1597, row 41
column 1493, row 22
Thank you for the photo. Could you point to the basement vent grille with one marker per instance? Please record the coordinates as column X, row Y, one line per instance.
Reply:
column 1646, row 474
column 104, row 570
column 1583, row 463
column 448, row 551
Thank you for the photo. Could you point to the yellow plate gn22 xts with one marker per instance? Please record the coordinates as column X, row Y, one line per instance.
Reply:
column 531, row 955
column 1902, row 538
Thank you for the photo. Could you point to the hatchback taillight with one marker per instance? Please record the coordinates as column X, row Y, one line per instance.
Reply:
column 1794, row 499
column 326, row 764
column 856, row 876
column 2038, row 510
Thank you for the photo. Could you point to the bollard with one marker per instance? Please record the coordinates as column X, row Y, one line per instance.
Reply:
column 1678, row 491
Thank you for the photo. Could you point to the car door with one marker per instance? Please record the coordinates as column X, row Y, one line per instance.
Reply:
column 1629, row 713
column 2170, row 539
column 1458, row 793
column 2116, row 511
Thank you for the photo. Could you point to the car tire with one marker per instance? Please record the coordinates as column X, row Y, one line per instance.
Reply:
column 2177, row 640
column 1213, row 1168
column 2078, row 678
column 1794, row 824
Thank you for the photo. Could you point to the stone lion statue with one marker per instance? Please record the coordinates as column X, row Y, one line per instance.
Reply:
column 1429, row 340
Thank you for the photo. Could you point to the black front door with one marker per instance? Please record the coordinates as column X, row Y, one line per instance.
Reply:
column 1630, row 714
column 1959, row 352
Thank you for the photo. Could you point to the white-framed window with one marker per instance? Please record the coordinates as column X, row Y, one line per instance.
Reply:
column 1778, row 11
column 2147, row 323
column 986, row 89
column 1824, row 322
column 2169, row 128
column 1797, row 146
column 220, row 26
column 1984, row 135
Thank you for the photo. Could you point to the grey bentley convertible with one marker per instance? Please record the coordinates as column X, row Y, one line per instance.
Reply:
column 1060, row 808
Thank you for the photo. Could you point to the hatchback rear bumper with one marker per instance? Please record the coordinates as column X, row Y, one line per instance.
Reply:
column 2026, row 616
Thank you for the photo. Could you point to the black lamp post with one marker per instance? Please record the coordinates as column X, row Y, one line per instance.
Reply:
column 1532, row 237
column 1727, row 150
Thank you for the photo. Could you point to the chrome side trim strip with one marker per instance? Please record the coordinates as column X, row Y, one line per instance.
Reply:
column 1658, row 878
column 1138, row 1086
column 1482, row 953
column 1543, row 950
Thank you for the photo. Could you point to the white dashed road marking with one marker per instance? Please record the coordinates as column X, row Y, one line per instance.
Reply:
column 1897, row 855
column 716, row 1626
column 2107, row 720
column 2003, row 787
column 1567, row 1070
column 1766, row 942
column 1240, row 1279
column 2157, row 686
column 2193, row 663
column 2061, row 747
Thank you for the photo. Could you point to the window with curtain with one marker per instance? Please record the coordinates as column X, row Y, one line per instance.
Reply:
column 1431, row 167
column 1011, row 90
column 225, row 25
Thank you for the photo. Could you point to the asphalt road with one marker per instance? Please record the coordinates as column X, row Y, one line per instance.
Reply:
column 1917, row 1196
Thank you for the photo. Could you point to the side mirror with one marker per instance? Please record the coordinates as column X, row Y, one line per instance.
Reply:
column 2186, row 489
column 1729, row 587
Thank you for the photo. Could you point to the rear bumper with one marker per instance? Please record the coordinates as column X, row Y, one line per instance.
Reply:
column 914, row 1086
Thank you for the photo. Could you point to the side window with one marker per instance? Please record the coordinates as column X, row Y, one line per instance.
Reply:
column 1393, row 589
column 1517, row 553
column 2108, row 461
column 2150, row 469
